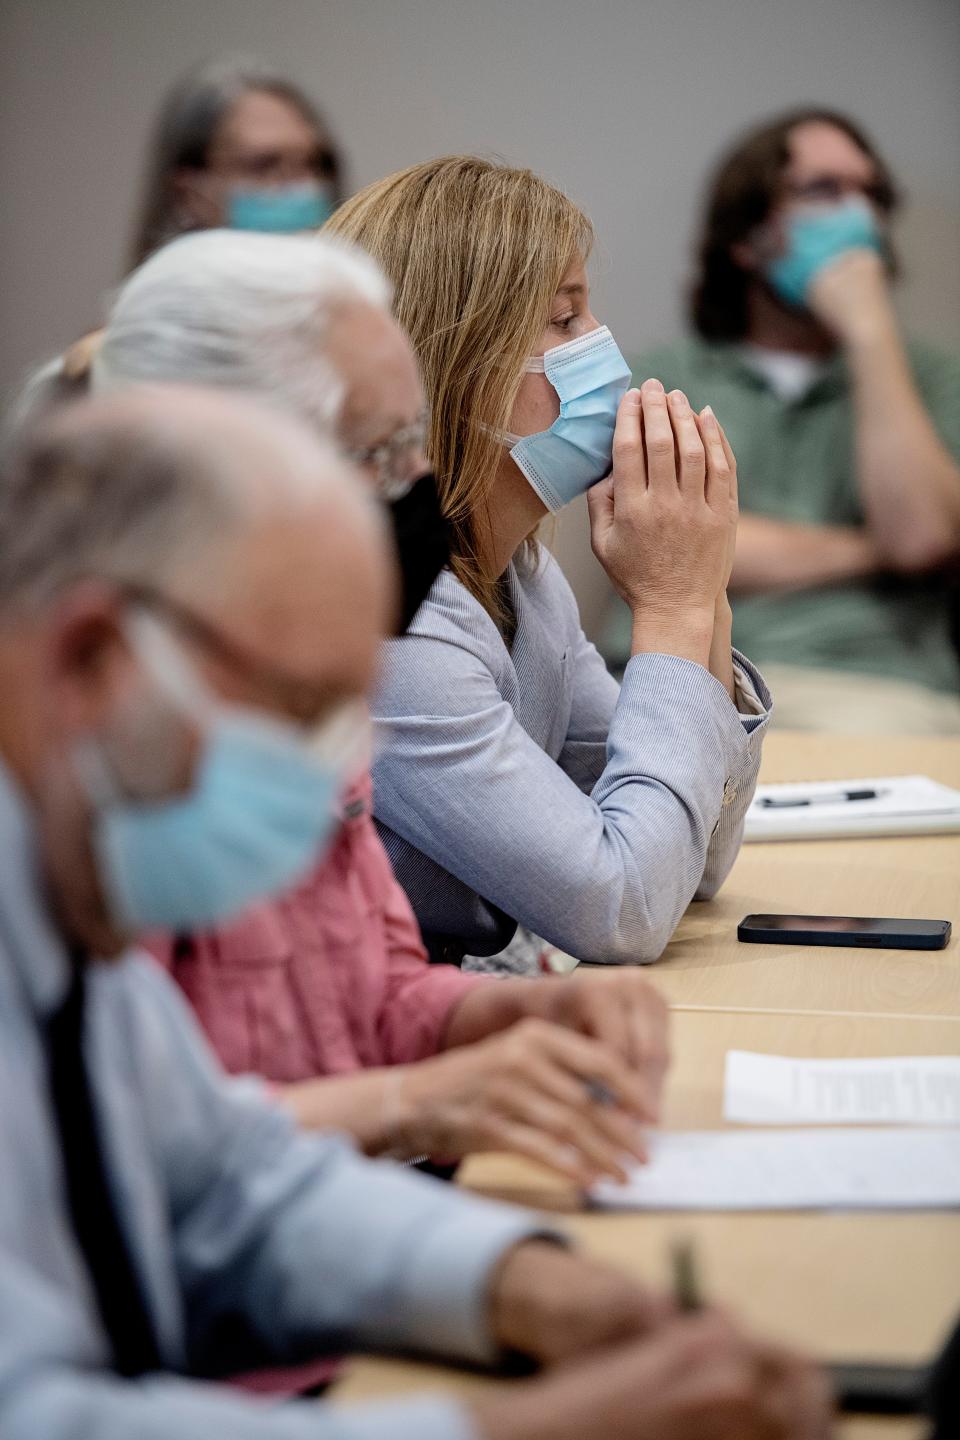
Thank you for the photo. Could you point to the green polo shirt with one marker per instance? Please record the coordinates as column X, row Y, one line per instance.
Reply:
column 795, row 462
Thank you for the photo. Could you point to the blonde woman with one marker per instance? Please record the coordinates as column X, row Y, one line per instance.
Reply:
column 517, row 782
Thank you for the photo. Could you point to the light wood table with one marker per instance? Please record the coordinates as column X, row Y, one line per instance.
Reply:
column 882, row 1286
column 917, row 876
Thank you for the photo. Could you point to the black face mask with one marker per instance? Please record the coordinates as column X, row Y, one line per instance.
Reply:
column 422, row 538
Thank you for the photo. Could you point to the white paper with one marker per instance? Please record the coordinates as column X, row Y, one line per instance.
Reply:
column 847, row 1169
column 905, row 805
column 902, row 1090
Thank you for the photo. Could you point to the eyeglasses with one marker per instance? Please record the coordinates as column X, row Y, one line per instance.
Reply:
column 277, row 166
column 390, row 460
column 831, row 189
column 302, row 701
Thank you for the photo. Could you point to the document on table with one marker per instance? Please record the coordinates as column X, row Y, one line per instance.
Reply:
column 904, row 805
column 883, row 1090
column 835, row 1169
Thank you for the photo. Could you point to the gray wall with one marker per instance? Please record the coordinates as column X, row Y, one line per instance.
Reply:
column 624, row 103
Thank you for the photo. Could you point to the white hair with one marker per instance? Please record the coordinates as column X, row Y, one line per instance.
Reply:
column 243, row 311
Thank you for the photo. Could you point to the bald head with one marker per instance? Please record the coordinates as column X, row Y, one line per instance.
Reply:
column 164, row 486
column 227, row 530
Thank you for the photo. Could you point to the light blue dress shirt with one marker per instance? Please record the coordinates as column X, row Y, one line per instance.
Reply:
column 525, row 784
column 253, row 1243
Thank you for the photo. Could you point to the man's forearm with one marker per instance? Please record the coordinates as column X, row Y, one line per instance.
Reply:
column 783, row 555
column 909, row 484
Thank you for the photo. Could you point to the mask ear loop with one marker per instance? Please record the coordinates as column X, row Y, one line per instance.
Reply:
column 344, row 740
column 170, row 667
column 173, row 674
column 502, row 437
column 97, row 779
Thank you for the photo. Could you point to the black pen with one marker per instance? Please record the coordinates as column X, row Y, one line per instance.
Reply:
column 836, row 798
column 686, row 1285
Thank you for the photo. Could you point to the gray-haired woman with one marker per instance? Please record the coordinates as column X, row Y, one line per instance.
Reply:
column 236, row 143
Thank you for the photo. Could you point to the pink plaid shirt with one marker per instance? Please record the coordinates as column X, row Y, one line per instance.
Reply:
column 331, row 977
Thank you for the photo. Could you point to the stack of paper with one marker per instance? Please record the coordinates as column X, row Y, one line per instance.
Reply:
column 837, row 1168
column 869, row 1169
column 886, row 1090
column 904, row 805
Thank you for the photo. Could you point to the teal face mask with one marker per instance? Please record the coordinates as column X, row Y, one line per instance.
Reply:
column 815, row 238
column 282, row 210
column 591, row 377
column 262, row 805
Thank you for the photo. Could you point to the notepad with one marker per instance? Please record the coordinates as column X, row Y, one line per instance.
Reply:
column 898, row 1090
column 905, row 805
column 815, row 1169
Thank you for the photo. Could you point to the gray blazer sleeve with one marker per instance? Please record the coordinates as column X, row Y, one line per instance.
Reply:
column 601, row 851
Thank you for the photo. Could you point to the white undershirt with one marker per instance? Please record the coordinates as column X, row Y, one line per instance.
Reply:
column 789, row 375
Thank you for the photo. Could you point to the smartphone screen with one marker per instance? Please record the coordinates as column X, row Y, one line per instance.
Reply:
column 846, row 930
column 844, row 924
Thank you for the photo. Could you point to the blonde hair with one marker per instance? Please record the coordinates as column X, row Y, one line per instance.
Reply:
column 475, row 252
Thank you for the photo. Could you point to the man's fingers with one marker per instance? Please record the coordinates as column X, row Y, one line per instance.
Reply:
column 798, row 1391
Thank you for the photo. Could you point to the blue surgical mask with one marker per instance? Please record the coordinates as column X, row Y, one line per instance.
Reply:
column 261, row 807
column 815, row 237
column 591, row 377
column 280, row 210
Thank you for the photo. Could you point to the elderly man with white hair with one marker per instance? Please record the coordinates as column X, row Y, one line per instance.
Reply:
column 191, row 593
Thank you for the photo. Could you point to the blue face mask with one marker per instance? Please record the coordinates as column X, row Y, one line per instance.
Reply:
column 282, row 210
column 591, row 377
column 815, row 238
column 262, row 805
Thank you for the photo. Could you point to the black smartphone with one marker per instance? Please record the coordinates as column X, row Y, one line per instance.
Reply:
column 844, row 930
column 869, row 1389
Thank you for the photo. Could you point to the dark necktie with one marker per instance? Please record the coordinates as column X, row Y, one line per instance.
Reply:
column 92, row 1210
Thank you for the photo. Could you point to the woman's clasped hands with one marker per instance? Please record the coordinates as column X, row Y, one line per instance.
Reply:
column 664, row 522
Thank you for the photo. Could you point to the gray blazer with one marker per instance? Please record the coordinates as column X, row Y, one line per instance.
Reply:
column 525, row 784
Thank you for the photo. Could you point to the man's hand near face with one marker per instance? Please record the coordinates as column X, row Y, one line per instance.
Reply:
column 915, row 526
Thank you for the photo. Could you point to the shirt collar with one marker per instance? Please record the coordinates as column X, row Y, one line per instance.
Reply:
column 28, row 934
column 727, row 357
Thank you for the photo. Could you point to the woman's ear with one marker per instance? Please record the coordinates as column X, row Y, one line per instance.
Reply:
column 198, row 198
